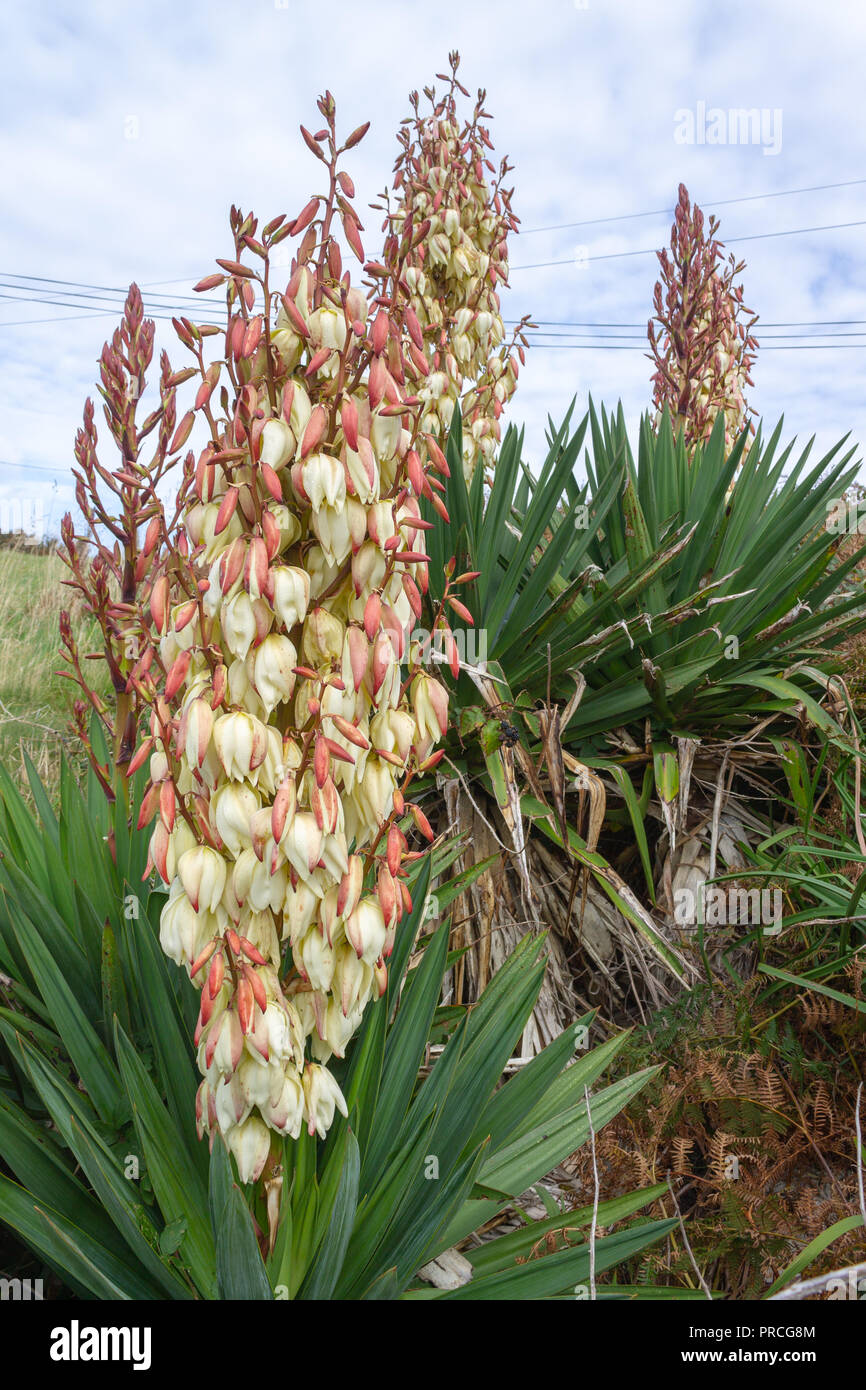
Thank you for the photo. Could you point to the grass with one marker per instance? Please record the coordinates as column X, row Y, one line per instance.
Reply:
column 35, row 701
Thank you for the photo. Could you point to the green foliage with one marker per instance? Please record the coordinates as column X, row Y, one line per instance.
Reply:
column 639, row 576
column 693, row 594
column 112, row 1189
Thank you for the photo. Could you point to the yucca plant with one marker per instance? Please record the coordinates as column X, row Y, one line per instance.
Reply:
column 639, row 575
column 109, row 1184
column 659, row 612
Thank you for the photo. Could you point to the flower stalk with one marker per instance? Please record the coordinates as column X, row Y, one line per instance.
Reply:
column 701, row 335
column 290, row 707
column 447, row 190
column 127, row 529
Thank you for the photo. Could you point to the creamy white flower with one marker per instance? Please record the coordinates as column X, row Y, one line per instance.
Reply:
column 323, row 1096
column 291, row 594
column 250, row 1143
column 232, row 809
column 278, row 444
column 273, row 674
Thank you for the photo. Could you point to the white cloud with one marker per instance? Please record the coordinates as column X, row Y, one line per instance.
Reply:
column 583, row 100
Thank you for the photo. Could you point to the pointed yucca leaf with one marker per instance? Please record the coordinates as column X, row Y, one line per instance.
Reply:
column 86, row 856
column 662, row 470
column 92, row 1062
column 404, row 1051
column 27, row 845
column 361, row 1083
column 646, row 485
column 803, row 983
column 170, row 1039
column 131, row 1217
column 561, row 1099
column 567, row 647
column 360, row 1080
column 385, row 1288
column 304, row 1213
column 175, row 1178
column 811, row 1252
column 69, row 1249
column 636, row 820
column 14, row 1064
column 241, row 1273
column 11, row 958
column 114, row 1189
column 464, row 1074
column 515, row 1166
column 553, row 581
column 379, row 1208
column 666, row 773
column 328, row 1261
column 114, row 998
column 484, row 1054
column 521, row 961
column 130, row 847
column 24, row 899
column 515, row 1099
column 38, row 1164
column 457, row 537
column 94, row 798
column 419, row 1236
column 787, row 696
column 563, row 1271
column 534, row 1103
column 407, row 932
column 330, row 1162
column 640, row 546
column 447, row 892
column 42, row 802
column 91, row 927
column 498, row 508
column 45, row 1039
column 544, row 503
column 705, row 509
column 502, row 1252
column 65, row 898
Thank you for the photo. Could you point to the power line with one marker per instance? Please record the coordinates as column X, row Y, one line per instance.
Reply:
column 539, row 324
column 543, row 328
column 729, row 241
column 67, row 304
column 642, row 337
column 779, row 347
column 82, row 290
column 32, row 467
column 578, row 323
column 26, row 295
column 110, row 289
column 668, row 211
column 542, row 331
column 58, row 318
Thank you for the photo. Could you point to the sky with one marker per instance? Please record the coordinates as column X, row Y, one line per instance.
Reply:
column 127, row 130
